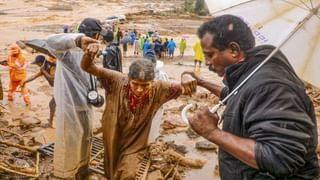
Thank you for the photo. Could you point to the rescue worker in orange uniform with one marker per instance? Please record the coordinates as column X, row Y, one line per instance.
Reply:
column 17, row 73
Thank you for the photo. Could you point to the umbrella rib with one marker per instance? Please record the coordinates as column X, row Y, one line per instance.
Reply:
column 295, row 4
column 305, row 4
column 311, row 4
column 232, row 6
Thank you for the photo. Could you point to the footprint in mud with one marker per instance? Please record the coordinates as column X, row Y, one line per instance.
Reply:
column 44, row 88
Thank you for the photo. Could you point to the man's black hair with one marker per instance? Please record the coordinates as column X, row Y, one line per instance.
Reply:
column 108, row 36
column 90, row 27
column 226, row 29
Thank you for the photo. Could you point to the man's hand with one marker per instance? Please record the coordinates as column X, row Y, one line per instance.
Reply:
column 192, row 74
column 92, row 50
column 85, row 41
column 23, row 83
column 204, row 122
column 189, row 84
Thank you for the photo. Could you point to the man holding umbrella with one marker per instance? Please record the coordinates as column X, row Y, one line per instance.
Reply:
column 269, row 126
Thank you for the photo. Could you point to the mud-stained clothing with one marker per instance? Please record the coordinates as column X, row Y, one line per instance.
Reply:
column 127, row 120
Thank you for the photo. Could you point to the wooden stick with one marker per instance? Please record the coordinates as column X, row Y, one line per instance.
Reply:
column 20, row 146
column 185, row 161
column 169, row 172
column 25, row 173
column 11, row 132
column 4, row 108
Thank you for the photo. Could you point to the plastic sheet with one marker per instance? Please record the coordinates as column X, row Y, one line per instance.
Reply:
column 73, row 114
column 156, row 121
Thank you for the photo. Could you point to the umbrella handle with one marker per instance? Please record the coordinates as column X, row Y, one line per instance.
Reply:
column 184, row 111
column 215, row 108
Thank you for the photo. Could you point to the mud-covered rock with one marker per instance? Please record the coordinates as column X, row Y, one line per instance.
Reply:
column 206, row 145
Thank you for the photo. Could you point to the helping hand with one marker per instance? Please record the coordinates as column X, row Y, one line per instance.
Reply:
column 22, row 83
column 92, row 50
column 204, row 122
column 189, row 84
column 85, row 41
column 192, row 74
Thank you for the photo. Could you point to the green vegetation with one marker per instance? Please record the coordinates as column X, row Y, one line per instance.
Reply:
column 198, row 7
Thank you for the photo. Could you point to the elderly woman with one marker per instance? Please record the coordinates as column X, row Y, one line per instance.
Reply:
column 132, row 102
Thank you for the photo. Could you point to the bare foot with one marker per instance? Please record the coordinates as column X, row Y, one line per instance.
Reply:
column 47, row 125
column 97, row 131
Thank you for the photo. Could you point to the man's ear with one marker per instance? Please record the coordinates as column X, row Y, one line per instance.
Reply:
column 235, row 49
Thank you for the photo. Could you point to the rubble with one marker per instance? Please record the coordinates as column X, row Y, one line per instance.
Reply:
column 167, row 160
column 191, row 134
column 206, row 145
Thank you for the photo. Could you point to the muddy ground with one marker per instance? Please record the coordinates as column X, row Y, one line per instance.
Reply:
column 30, row 19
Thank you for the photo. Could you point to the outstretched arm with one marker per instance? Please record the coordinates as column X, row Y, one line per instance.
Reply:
column 188, row 85
column 213, row 88
column 47, row 75
column 35, row 76
column 87, row 63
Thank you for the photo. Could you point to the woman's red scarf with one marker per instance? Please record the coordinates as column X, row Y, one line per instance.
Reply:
column 134, row 101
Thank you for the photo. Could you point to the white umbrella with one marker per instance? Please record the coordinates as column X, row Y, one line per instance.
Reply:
column 291, row 25
column 272, row 21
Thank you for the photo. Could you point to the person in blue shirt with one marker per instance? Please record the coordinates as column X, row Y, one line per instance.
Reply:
column 133, row 37
column 171, row 47
column 65, row 29
column 146, row 46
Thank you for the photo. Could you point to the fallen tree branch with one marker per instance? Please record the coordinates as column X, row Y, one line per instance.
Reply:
column 192, row 163
column 20, row 146
column 23, row 171
column 11, row 132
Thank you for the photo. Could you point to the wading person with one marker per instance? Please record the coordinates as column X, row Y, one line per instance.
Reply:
column 198, row 54
column 171, row 47
column 269, row 127
column 73, row 112
column 17, row 73
column 132, row 102
column 182, row 46
column 47, row 69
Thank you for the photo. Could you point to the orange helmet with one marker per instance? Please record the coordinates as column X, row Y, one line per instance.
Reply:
column 14, row 49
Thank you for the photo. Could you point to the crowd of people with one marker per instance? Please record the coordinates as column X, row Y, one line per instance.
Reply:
column 269, row 126
column 141, row 42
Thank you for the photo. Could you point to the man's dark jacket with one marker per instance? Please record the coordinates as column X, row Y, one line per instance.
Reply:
column 273, row 109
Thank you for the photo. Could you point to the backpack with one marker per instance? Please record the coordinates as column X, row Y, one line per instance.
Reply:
column 112, row 58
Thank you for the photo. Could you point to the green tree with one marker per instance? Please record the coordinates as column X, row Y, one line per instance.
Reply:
column 201, row 8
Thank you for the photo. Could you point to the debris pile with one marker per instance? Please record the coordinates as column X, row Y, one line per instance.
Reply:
column 314, row 95
column 168, row 161
column 15, row 157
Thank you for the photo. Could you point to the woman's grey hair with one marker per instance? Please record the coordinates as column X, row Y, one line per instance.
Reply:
column 142, row 70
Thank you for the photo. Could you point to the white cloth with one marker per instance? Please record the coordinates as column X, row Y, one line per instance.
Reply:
column 73, row 113
column 160, row 74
